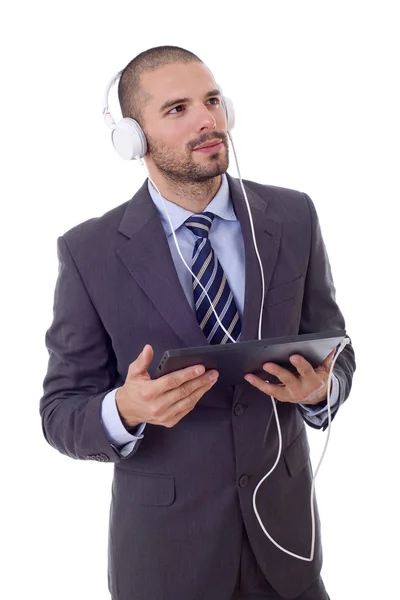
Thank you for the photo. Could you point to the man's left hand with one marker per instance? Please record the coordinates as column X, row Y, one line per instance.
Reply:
column 310, row 387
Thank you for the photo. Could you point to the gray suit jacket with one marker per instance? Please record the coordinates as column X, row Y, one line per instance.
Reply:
column 181, row 498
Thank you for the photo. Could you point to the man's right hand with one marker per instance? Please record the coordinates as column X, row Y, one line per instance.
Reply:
column 164, row 401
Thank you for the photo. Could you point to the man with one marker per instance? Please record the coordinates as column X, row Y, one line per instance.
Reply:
column 189, row 451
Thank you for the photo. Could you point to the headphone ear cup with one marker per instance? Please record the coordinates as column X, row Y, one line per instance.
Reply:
column 228, row 108
column 129, row 139
column 229, row 111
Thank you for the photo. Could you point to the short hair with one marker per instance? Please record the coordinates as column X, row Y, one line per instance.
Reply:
column 132, row 97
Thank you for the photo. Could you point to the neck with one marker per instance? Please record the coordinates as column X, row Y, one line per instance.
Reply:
column 194, row 196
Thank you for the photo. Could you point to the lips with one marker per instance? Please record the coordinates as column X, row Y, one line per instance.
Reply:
column 209, row 144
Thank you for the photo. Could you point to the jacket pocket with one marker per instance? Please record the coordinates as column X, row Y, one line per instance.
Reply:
column 144, row 489
column 297, row 454
column 284, row 292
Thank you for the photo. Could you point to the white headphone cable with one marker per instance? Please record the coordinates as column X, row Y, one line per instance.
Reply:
column 180, row 254
column 344, row 342
column 273, row 400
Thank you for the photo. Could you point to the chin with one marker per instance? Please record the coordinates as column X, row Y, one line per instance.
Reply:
column 215, row 162
column 208, row 176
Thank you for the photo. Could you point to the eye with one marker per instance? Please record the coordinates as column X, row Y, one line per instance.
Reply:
column 178, row 109
column 215, row 101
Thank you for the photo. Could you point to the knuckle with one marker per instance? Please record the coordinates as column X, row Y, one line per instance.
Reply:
column 306, row 371
column 172, row 381
column 190, row 402
column 146, row 390
column 146, row 394
column 185, row 390
column 154, row 410
column 151, row 411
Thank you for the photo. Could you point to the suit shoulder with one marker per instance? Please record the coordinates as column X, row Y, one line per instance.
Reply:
column 96, row 228
column 274, row 192
column 283, row 203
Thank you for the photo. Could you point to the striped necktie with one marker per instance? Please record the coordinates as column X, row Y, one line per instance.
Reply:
column 205, row 265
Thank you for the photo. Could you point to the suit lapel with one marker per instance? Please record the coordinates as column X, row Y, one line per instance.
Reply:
column 147, row 257
column 268, row 234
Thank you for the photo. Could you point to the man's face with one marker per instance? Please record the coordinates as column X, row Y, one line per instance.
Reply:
column 184, row 112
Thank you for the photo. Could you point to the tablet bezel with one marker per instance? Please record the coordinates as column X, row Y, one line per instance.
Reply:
column 313, row 346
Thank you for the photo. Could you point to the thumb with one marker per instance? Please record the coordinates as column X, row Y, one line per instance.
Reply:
column 142, row 363
column 326, row 364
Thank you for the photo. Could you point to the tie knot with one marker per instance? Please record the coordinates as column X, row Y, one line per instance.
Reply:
column 200, row 224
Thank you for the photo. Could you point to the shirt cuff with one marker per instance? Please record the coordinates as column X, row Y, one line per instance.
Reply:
column 114, row 428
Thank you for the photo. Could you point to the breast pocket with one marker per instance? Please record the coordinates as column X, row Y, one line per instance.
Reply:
column 282, row 309
column 284, row 292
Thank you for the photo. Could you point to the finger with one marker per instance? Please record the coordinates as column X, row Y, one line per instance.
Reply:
column 142, row 363
column 328, row 360
column 284, row 375
column 174, row 380
column 188, row 388
column 175, row 419
column 278, row 391
column 181, row 408
column 304, row 368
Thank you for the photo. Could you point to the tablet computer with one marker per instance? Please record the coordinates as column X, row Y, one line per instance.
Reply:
column 234, row 360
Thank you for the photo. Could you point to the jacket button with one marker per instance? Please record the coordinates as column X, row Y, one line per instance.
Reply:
column 239, row 410
column 243, row 481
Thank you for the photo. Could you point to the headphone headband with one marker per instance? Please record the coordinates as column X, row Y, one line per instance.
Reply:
column 108, row 119
column 128, row 137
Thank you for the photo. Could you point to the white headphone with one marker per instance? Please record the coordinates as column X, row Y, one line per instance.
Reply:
column 128, row 137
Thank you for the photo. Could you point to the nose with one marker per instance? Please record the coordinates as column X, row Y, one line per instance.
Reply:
column 205, row 120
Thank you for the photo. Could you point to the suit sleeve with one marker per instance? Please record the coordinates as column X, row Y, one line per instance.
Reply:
column 320, row 312
column 81, row 371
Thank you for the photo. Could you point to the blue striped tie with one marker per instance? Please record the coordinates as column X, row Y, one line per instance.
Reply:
column 205, row 265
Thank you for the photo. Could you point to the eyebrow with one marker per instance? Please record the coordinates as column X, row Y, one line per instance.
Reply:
column 170, row 103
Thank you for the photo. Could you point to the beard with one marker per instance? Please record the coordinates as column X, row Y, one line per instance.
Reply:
column 180, row 167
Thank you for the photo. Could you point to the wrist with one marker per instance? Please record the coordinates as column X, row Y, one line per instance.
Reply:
column 318, row 398
column 122, row 402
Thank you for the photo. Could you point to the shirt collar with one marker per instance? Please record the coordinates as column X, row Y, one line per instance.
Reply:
column 221, row 205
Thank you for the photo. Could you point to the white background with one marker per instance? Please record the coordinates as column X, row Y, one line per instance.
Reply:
column 315, row 91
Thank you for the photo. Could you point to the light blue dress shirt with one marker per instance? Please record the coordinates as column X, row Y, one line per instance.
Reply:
column 227, row 241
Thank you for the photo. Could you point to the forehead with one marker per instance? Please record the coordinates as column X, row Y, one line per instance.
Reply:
column 177, row 80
